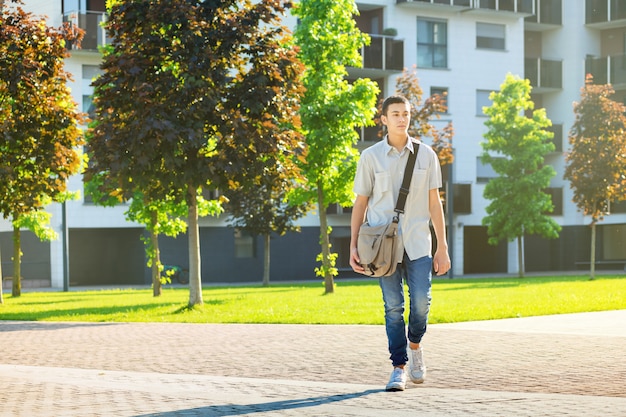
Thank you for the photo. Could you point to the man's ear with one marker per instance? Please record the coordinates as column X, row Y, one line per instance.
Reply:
column 383, row 119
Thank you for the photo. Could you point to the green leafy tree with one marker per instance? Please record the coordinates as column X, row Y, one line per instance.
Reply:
column 164, row 217
column 180, row 82
column 39, row 121
column 258, row 198
column 596, row 162
column 331, row 109
column 516, row 146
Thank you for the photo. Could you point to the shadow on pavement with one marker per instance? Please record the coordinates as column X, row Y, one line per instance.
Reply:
column 239, row 409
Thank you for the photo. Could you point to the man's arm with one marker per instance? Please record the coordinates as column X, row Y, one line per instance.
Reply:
column 441, row 260
column 358, row 217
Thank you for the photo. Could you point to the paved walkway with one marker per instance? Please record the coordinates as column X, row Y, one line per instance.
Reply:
column 567, row 365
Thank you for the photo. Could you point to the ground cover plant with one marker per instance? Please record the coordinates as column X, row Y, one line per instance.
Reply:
column 353, row 302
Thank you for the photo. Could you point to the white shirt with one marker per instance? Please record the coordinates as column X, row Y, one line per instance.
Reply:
column 379, row 176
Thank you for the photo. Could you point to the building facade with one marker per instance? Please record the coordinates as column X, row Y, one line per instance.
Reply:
column 464, row 48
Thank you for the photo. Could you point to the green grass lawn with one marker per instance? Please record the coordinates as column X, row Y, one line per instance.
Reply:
column 353, row 302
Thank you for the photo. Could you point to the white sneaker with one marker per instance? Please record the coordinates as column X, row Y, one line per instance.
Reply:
column 397, row 382
column 417, row 369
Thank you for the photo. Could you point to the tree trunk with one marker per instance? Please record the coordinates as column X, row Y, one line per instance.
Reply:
column 195, row 282
column 329, row 284
column 17, row 263
column 520, row 256
column 592, row 265
column 156, row 257
column 266, row 261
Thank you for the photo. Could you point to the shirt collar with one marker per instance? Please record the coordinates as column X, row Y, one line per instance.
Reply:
column 408, row 145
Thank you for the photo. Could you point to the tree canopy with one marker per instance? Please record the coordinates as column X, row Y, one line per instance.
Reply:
column 39, row 120
column 515, row 146
column 182, row 84
column 596, row 162
column 331, row 109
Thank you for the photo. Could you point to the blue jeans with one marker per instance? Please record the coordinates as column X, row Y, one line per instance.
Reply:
column 418, row 277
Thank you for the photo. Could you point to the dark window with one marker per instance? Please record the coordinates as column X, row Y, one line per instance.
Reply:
column 557, row 200
column 462, row 200
column 618, row 207
column 432, row 44
column 490, row 36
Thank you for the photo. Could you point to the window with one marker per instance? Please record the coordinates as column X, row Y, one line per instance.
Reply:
column 482, row 100
column 490, row 36
column 618, row 207
column 244, row 244
column 462, row 200
column 557, row 139
column 443, row 92
column 484, row 172
column 90, row 72
column 556, row 194
column 432, row 44
column 614, row 241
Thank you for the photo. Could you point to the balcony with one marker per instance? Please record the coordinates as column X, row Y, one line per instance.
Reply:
column 608, row 70
column 605, row 14
column 545, row 75
column 384, row 55
column 452, row 5
column 514, row 7
column 548, row 15
column 91, row 23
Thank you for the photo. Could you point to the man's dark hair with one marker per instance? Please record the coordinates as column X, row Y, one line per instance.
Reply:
column 393, row 100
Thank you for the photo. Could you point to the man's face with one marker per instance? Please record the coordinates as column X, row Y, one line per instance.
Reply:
column 397, row 118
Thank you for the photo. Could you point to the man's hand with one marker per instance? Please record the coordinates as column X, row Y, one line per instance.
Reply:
column 355, row 262
column 441, row 262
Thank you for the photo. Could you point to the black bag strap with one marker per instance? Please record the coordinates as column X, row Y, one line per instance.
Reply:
column 406, row 182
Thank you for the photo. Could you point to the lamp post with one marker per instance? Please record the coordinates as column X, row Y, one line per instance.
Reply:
column 66, row 260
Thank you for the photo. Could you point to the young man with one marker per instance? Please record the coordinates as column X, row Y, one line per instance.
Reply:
column 377, row 184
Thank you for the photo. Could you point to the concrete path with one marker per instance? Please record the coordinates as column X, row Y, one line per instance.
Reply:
column 565, row 365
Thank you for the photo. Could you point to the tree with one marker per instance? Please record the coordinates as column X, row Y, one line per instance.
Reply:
column 181, row 80
column 516, row 146
column 331, row 109
column 159, row 217
column 596, row 162
column 259, row 202
column 38, row 118
column 262, row 206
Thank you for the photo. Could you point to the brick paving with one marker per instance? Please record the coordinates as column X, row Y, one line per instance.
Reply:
column 164, row 369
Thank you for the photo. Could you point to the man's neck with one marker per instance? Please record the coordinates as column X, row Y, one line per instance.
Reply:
column 398, row 141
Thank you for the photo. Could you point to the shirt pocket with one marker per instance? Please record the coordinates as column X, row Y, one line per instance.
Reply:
column 382, row 187
column 419, row 183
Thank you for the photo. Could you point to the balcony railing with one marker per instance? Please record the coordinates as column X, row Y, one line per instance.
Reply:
column 91, row 23
column 461, row 3
column 544, row 73
column 604, row 11
column 607, row 70
column 515, row 6
column 383, row 53
column 547, row 12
